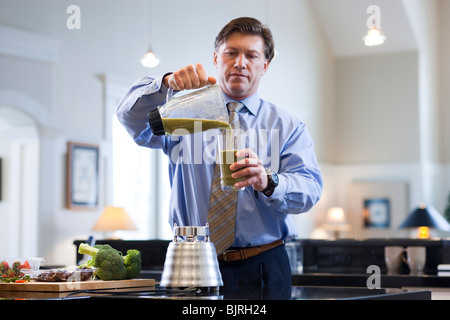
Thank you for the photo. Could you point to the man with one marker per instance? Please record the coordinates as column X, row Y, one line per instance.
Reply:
column 243, row 51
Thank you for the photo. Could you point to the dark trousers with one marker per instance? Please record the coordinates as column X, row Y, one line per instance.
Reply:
column 265, row 276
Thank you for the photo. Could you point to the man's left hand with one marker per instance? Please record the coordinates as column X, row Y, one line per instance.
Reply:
column 250, row 167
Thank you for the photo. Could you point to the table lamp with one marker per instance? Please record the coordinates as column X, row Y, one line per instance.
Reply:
column 113, row 219
column 335, row 221
column 423, row 218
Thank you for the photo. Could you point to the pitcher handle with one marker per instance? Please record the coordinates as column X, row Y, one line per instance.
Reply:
column 403, row 255
column 169, row 94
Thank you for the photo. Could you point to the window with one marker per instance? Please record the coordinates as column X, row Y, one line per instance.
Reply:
column 140, row 185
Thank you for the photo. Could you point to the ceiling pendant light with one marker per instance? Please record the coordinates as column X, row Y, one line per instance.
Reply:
column 375, row 36
column 150, row 59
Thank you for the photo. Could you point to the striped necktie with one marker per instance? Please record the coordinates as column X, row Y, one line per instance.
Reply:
column 222, row 204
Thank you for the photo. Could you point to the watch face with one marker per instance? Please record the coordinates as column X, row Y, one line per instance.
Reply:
column 275, row 178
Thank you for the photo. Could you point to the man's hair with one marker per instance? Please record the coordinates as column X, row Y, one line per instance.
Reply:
column 246, row 25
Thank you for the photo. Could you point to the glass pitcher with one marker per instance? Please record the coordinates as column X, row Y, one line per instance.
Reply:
column 197, row 111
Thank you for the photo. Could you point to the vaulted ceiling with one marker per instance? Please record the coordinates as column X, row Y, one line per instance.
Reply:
column 344, row 22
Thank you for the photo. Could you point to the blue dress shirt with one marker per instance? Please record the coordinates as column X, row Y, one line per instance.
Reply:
column 288, row 151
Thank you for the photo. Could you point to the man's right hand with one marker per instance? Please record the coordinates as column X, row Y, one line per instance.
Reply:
column 192, row 76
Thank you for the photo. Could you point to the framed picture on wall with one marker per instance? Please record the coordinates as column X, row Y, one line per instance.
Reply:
column 376, row 209
column 377, row 213
column 82, row 176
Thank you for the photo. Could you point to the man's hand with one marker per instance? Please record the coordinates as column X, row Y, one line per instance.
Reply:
column 192, row 76
column 250, row 167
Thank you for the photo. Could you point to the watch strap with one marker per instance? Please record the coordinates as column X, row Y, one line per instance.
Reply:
column 271, row 184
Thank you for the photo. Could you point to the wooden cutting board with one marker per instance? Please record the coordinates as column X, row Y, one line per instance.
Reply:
column 76, row 285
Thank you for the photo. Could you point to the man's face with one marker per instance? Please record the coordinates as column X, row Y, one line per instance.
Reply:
column 241, row 63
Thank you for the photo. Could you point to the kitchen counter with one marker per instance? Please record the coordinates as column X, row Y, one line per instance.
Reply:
column 246, row 302
column 291, row 293
column 219, row 304
column 360, row 280
column 244, row 293
column 248, row 294
column 351, row 280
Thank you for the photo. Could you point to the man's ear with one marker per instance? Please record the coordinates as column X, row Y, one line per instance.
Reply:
column 266, row 66
column 215, row 59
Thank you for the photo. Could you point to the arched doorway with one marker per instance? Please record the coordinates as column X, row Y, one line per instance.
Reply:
column 20, row 119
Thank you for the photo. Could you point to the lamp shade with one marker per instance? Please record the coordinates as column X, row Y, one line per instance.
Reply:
column 114, row 218
column 335, row 220
column 426, row 216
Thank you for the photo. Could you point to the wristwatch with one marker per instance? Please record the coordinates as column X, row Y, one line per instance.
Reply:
column 272, row 182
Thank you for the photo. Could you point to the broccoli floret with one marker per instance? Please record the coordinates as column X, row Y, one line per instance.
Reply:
column 133, row 262
column 108, row 261
column 90, row 251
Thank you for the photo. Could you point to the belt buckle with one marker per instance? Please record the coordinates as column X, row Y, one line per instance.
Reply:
column 224, row 254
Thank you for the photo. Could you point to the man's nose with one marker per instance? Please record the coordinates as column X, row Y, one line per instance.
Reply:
column 241, row 61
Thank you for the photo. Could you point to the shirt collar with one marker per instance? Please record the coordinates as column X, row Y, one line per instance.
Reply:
column 252, row 102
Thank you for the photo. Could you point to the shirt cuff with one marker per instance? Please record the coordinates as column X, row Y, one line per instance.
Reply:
column 156, row 89
column 158, row 86
column 279, row 192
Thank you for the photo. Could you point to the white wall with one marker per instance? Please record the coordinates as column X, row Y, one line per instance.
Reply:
column 444, row 53
column 424, row 19
column 378, row 109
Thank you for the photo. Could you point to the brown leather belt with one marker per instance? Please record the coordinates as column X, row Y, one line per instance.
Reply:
column 245, row 253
